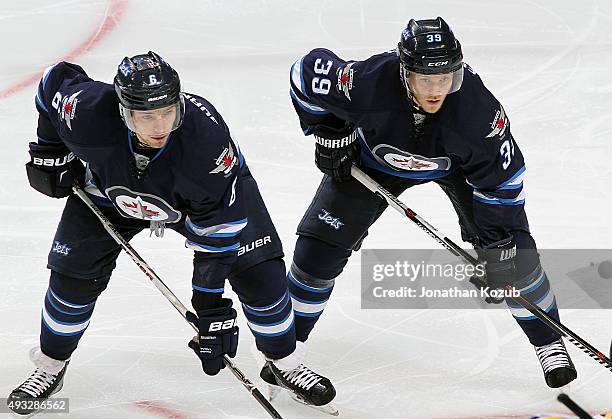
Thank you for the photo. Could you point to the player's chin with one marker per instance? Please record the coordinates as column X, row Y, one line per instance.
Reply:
column 157, row 140
column 432, row 105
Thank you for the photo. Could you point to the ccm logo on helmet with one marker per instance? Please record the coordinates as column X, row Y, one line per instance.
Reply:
column 60, row 161
column 228, row 324
column 437, row 64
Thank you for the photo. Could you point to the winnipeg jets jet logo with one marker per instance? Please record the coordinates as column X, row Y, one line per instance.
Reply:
column 499, row 124
column 403, row 160
column 139, row 209
column 141, row 205
column 345, row 80
column 65, row 106
column 69, row 105
column 412, row 163
column 225, row 162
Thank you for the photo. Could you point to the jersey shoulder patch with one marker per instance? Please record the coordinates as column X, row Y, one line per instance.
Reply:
column 475, row 113
column 81, row 110
column 322, row 82
column 209, row 155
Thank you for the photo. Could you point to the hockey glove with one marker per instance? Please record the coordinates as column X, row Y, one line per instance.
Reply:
column 218, row 336
column 52, row 170
column 499, row 262
column 336, row 150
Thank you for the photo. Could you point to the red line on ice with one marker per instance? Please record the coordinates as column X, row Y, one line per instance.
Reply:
column 159, row 409
column 113, row 14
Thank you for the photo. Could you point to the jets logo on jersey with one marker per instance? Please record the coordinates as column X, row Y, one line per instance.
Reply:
column 345, row 80
column 327, row 218
column 410, row 163
column 66, row 107
column 499, row 124
column 142, row 206
column 140, row 209
column 225, row 162
column 399, row 159
column 60, row 248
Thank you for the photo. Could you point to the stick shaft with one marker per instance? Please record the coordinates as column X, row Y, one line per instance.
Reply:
column 170, row 296
column 399, row 206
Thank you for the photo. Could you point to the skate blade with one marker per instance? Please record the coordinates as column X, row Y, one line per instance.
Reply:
column 329, row 408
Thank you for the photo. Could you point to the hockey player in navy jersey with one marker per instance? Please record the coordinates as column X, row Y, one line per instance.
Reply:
column 413, row 115
column 161, row 159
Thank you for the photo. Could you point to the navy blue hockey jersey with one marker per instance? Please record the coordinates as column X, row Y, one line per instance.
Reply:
column 471, row 132
column 190, row 183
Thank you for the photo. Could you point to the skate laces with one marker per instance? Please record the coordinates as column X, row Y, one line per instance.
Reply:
column 302, row 377
column 552, row 356
column 37, row 383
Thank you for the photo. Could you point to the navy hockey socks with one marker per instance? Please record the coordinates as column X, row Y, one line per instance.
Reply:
column 273, row 327
column 68, row 307
column 536, row 288
column 309, row 296
column 262, row 290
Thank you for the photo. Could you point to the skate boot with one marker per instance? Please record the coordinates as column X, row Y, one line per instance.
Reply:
column 304, row 385
column 47, row 379
column 557, row 366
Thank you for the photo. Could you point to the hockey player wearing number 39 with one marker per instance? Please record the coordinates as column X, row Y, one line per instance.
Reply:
column 410, row 116
column 156, row 158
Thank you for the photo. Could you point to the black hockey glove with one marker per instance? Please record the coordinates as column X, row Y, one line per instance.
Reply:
column 218, row 336
column 336, row 150
column 500, row 267
column 52, row 170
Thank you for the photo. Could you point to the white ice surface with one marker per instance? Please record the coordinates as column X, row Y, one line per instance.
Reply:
column 548, row 61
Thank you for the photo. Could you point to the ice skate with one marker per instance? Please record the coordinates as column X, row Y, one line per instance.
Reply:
column 558, row 368
column 304, row 385
column 46, row 380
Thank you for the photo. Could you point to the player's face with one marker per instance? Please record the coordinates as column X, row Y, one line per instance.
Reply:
column 153, row 127
column 429, row 91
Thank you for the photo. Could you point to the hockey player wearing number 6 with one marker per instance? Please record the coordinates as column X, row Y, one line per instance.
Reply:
column 414, row 115
column 156, row 158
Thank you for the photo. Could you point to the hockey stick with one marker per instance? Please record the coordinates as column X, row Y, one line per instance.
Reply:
column 178, row 305
column 573, row 406
column 558, row 327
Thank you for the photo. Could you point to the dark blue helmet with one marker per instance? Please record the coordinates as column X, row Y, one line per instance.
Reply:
column 429, row 47
column 146, row 82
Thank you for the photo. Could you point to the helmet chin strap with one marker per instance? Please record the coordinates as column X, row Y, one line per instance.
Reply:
column 415, row 103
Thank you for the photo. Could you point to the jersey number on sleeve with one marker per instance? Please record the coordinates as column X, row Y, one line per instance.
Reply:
column 507, row 151
column 321, row 85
